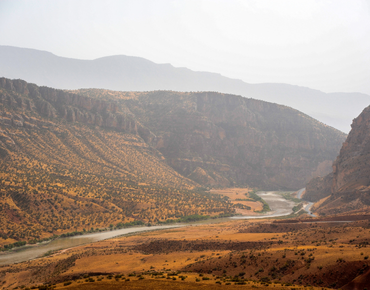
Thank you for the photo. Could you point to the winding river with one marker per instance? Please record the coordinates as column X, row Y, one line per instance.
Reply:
column 31, row 252
column 278, row 205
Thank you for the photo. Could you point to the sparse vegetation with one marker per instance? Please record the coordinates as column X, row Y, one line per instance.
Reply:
column 106, row 177
column 255, row 197
column 280, row 250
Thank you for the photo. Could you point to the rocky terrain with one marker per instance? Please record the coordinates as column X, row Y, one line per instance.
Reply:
column 348, row 186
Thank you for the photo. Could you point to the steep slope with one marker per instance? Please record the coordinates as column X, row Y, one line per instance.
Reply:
column 350, row 181
column 127, row 73
column 226, row 140
column 70, row 162
column 87, row 159
column 319, row 187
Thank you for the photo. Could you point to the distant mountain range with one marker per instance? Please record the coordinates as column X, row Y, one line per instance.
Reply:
column 126, row 73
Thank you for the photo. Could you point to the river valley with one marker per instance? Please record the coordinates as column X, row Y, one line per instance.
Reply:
column 278, row 205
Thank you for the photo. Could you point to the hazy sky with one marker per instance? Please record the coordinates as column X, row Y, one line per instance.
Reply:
column 320, row 44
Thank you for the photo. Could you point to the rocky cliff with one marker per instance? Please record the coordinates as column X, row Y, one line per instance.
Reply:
column 350, row 180
column 235, row 140
column 52, row 103
column 318, row 188
column 214, row 139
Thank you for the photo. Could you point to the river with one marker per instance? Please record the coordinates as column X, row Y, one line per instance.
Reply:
column 278, row 205
column 31, row 252
column 307, row 208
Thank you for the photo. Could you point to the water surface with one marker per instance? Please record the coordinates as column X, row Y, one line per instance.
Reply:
column 31, row 252
column 279, row 206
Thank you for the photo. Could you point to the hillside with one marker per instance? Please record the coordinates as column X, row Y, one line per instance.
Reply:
column 66, row 164
column 226, row 140
column 126, row 73
column 94, row 158
column 348, row 187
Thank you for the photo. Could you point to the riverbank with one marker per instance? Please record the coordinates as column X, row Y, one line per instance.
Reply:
column 308, row 205
column 228, row 253
column 278, row 205
column 35, row 251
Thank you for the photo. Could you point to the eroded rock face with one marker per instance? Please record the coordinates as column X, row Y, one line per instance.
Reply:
column 237, row 140
column 318, row 188
column 215, row 139
column 52, row 103
column 351, row 169
column 350, row 179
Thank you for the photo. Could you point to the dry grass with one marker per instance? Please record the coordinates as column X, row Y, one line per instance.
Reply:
column 321, row 255
column 150, row 283
column 55, row 181
column 240, row 196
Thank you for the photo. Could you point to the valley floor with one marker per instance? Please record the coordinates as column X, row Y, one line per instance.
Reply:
column 238, row 254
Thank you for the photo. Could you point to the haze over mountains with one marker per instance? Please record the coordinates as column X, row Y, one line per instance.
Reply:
column 125, row 73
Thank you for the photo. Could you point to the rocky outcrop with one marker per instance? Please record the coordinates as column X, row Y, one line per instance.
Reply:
column 350, row 180
column 52, row 103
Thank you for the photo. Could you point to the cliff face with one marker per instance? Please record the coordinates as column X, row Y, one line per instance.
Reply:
column 214, row 139
column 351, row 170
column 53, row 103
column 350, row 180
column 318, row 188
column 236, row 141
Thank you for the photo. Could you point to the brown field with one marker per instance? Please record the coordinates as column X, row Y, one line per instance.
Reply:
column 6, row 241
column 252, row 253
column 240, row 193
column 152, row 283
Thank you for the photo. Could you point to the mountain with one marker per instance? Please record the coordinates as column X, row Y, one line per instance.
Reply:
column 235, row 140
column 91, row 158
column 347, row 188
column 63, row 170
column 125, row 73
